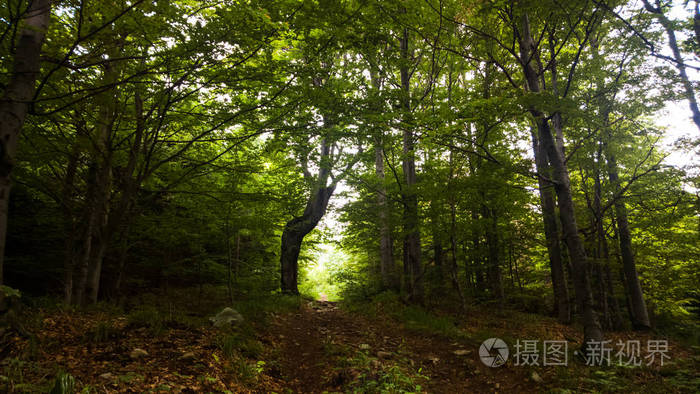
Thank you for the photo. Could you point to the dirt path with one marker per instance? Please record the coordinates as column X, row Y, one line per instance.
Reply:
column 312, row 348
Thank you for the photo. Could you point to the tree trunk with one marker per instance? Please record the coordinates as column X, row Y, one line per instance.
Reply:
column 386, row 252
column 91, row 218
column 412, row 246
column 560, row 175
column 438, row 250
column 123, row 254
column 453, row 249
column 16, row 100
column 69, row 225
column 96, row 268
column 638, row 308
column 103, row 189
column 294, row 233
column 612, row 306
column 130, row 181
column 551, row 232
column 493, row 270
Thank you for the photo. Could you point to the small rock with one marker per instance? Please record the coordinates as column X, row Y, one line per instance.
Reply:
column 383, row 354
column 536, row 377
column 227, row 317
column 461, row 352
column 189, row 356
column 364, row 346
column 138, row 353
column 107, row 376
column 375, row 364
column 433, row 359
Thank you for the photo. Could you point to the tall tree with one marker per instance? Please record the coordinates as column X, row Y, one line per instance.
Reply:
column 562, row 186
column 412, row 245
column 17, row 97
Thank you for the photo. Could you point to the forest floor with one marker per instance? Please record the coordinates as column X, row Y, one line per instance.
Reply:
column 297, row 345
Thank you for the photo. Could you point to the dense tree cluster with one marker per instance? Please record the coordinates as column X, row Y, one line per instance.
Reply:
column 496, row 150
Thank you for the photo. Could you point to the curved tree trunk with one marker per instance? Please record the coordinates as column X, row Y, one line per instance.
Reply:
column 294, row 233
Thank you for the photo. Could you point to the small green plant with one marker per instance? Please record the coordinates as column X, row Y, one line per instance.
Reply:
column 248, row 372
column 64, row 384
column 374, row 377
column 228, row 344
column 233, row 343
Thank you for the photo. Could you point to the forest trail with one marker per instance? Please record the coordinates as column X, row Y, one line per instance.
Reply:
column 312, row 347
column 292, row 345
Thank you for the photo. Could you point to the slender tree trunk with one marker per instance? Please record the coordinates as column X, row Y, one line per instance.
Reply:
column 560, row 175
column 131, row 182
column 551, row 232
column 69, row 224
column 386, row 246
column 387, row 267
column 412, row 244
column 229, row 256
column 639, row 315
column 453, row 249
column 16, row 100
column 577, row 254
column 96, row 270
column 123, row 254
column 515, row 265
column 493, row 270
column 613, row 320
column 438, row 250
column 103, row 190
column 91, row 218
column 476, row 266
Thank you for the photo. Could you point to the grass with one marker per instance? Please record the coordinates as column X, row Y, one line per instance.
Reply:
column 365, row 374
column 257, row 309
column 413, row 317
column 418, row 319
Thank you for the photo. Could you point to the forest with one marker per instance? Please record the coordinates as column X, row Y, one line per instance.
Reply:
column 363, row 196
